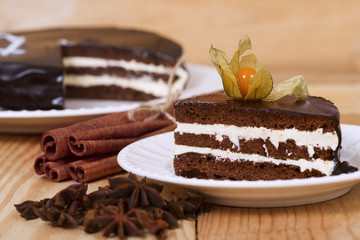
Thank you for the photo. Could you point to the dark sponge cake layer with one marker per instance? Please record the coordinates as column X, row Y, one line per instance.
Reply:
column 108, row 92
column 97, row 50
column 208, row 167
column 287, row 149
column 306, row 115
column 115, row 71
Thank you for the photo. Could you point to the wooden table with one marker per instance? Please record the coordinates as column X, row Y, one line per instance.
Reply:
column 319, row 40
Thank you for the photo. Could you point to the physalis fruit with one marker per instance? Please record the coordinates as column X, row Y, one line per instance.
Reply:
column 243, row 79
column 244, row 75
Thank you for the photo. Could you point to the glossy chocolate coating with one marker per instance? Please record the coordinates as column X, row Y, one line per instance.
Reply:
column 344, row 167
column 33, row 80
column 315, row 106
column 31, row 88
column 42, row 47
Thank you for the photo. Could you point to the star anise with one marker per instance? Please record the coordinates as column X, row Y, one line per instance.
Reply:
column 158, row 213
column 77, row 210
column 116, row 220
column 125, row 208
column 155, row 226
column 62, row 210
column 89, row 223
column 46, row 210
column 69, row 194
column 27, row 209
column 58, row 218
column 100, row 196
column 73, row 208
column 183, row 208
column 140, row 193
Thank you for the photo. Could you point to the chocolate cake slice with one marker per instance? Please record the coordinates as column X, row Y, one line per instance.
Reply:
column 218, row 137
column 121, row 64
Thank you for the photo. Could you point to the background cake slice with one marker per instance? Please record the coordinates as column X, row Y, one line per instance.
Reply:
column 121, row 64
column 219, row 137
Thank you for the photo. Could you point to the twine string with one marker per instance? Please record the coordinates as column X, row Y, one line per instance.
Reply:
column 160, row 109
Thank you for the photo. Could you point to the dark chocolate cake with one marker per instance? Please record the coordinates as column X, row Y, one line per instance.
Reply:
column 218, row 137
column 23, row 86
column 98, row 63
column 121, row 64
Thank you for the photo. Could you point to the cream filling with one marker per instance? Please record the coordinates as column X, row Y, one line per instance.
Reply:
column 144, row 84
column 132, row 65
column 157, row 88
column 302, row 138
column 325, row 167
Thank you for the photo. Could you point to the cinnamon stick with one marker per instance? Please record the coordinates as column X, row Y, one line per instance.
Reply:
column 93, row 168
column 113, row 138
column 55, row 145
column 97, row 144
column 39, row 164
column 56, row 170
column 58, row 174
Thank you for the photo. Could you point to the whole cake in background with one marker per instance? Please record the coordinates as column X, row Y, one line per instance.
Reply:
column 255, row 131
column 99, row 63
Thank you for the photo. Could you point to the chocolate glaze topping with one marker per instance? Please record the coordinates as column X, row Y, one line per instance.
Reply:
column 42, row 47
column 316, row 106
column 22, row 87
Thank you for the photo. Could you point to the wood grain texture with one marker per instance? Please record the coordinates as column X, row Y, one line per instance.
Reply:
column 18, row 183
column 335, row 219
column 318, row 39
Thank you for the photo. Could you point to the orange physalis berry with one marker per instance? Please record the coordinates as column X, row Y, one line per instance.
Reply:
column 244, row 75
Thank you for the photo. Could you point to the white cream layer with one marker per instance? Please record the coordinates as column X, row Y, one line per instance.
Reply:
column 157, row 88
column 302, row 138
column 325, row 167
column 144, row 84
column 132, row 65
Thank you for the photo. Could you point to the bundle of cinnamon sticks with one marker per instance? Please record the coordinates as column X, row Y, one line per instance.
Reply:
column 87, row 150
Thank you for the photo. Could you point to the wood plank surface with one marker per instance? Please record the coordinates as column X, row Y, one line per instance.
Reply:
column 335, row 219
column 19, row 183
column 318, row 39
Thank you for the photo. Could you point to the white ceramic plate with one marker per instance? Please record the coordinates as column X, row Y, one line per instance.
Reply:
column 203, row 79
column 153, row 157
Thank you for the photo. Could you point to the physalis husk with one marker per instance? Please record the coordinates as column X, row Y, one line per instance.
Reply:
column 245, row 80
column 295, row 86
